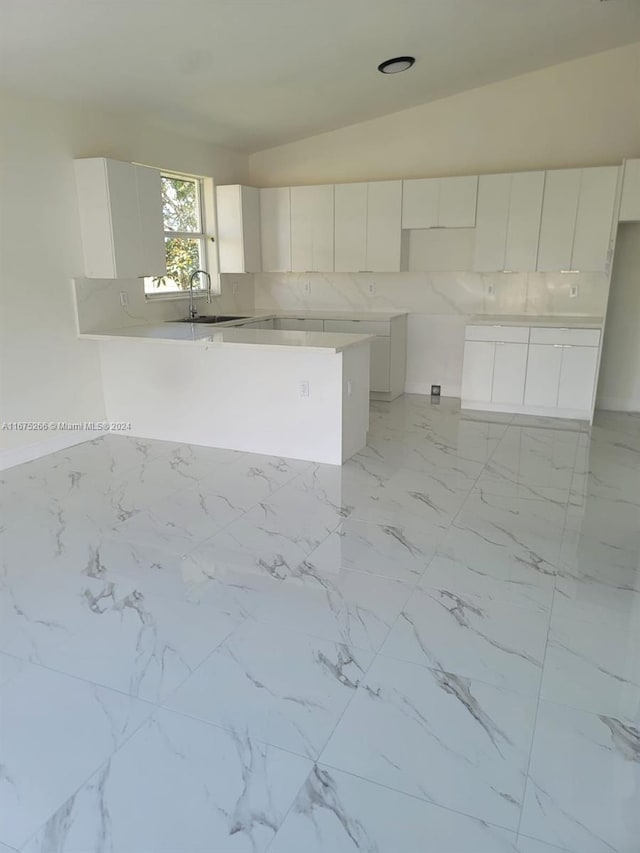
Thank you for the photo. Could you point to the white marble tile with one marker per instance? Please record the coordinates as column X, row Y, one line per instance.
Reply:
column 140, row 644
column 449, row 740
column 178, row 785
column 279, row 687
column 484, row 576
column 491, row 642
column 344, row 606
column 178, row 522
column 9, row 666
column 340, row 813
column 530, row 845
column 584, row 782
column 56, row 730
column 400, row 551
column 593, row 659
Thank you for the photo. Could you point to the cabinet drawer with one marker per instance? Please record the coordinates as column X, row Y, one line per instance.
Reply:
column 359, row 327
column 298, row 324
column 503, row 334
column 575, row 337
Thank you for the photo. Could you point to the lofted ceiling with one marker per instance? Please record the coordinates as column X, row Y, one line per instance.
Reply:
column 251, row 74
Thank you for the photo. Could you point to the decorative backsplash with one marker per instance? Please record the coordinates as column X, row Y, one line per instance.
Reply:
column 452, row 293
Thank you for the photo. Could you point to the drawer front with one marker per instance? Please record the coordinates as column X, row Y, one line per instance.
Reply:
column 504, row 334
column 298, row 324
column 573, row 337
column 359, row 327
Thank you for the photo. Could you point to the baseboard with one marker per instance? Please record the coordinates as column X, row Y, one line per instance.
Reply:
column 538, row 411
column 618, row 404
column 29, row 452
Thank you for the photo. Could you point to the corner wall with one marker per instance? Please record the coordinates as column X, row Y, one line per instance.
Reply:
column 46, row 373
column 619, row 384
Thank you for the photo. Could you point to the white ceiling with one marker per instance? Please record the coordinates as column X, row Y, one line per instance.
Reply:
column 250, row 74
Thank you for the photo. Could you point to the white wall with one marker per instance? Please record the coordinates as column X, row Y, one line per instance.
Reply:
column 581, row 113
column 46, row 373
column 619, row 385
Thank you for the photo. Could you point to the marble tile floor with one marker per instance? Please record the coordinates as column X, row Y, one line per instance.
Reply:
column 434, row 649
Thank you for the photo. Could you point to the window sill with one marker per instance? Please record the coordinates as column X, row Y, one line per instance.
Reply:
column 170, row 297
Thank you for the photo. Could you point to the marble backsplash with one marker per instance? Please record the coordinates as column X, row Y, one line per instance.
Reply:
column 98, row 302
column 451, row 293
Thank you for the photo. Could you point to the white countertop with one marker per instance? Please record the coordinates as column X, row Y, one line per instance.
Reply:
column 554, row 322
column 329, row 315
column 202, row 334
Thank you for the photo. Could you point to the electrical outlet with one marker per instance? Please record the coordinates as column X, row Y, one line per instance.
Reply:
column 349, row 388
column 491, row 290
column 304, row 388
column 124, row 298
column 307, row 287
column 573, row 291
column 372, row 289
column 235, row 287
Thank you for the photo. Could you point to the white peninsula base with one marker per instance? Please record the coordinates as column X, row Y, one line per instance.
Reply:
column 291, row 394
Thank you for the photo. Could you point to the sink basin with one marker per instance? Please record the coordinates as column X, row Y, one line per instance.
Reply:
column 218, row 318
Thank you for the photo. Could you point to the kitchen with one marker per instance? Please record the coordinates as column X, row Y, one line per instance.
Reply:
column 320, row 461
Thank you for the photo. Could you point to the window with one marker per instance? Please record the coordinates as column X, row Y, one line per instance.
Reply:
column 184, row 237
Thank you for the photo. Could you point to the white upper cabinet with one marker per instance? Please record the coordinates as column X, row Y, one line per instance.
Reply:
column 368, row 232
column 120, row 207
column 577, row 215
column 494, row 192
column 440, row 202
column 559, row 209
column 275, row 229
column 523, row 232
column 630, row 204
column 384, row 231
column 312, row 228
column 238, row 210
column 594, row 218
column 508, row 222
column 351, row 227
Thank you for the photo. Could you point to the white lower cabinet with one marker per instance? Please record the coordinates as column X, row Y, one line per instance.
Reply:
column 543, row 375
column 577, row 377
column 509, row 371
column 539, row 370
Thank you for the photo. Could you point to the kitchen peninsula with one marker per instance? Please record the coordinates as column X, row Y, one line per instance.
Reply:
column 303, row 395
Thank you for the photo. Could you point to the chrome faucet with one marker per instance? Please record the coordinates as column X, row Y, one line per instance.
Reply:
column 193, row 311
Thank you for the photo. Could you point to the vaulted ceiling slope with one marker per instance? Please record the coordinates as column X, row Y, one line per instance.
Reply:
column 250, row 74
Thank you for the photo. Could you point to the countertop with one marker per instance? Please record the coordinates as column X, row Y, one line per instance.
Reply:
column 192, row 333
column 535, row 320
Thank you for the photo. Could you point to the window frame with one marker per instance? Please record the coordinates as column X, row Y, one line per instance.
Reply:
column 203, row 289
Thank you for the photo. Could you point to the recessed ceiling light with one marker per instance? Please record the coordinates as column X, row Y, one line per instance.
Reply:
column 397, row 64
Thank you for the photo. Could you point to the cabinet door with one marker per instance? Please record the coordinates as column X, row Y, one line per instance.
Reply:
column 543, row 375
column 350, row 227
column 477, row 371
column 420, row 203
column 594, row 218
column 491, row 223
column 557, row 227
column 630, row 203
column 577, row 377
column 275, row 229
column 312, row 228
column 153, row 257
column 384, row 226
column 125, row 218
column 380, row 369
column 509, row 371
column 457, row 202
column 250, row 205
column 523, row 231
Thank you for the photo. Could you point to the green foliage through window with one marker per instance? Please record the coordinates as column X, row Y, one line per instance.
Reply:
column 185, row 253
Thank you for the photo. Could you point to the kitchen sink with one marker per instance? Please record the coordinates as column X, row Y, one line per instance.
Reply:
column 218, row 318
